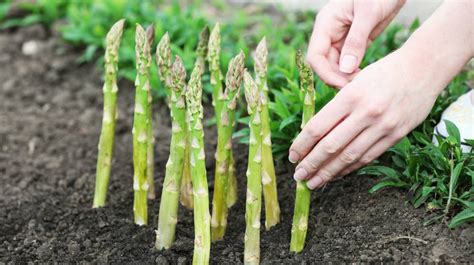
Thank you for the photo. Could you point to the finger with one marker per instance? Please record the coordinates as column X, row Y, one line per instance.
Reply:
column 333, row 59
column 351, row 154
column 356, row 42
column 330, row 146
column 325, row 72
column 326, row 119
column 373, row 153
column 319, row 48
column 386, row 21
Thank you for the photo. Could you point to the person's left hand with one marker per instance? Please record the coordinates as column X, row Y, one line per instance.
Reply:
column 384, row 102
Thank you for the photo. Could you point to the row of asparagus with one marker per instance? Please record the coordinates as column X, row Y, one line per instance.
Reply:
column 185, row 177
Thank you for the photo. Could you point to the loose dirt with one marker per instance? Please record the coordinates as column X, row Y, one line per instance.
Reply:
column 50, row 117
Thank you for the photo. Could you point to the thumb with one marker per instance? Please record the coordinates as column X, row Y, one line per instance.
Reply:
column 355, row 44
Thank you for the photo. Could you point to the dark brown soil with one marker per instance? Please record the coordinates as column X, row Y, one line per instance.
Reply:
column 50, row 116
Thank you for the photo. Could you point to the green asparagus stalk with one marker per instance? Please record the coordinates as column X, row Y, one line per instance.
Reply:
column 213, row 57
column 163, row 62
column 202, row 233
column 303, row 194
column 186, row 183
column 141, row 125
column 107, row 136
column 254, row 173
column 150, row 32
column 272, row 207
column 224, row 146
column 168, row 215
column 232, row 183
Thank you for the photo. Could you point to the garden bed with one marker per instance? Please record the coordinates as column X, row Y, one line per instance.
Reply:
column 50, row 117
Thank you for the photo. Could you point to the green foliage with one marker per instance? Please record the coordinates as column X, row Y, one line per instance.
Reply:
column 438, row 176
column 42, row 11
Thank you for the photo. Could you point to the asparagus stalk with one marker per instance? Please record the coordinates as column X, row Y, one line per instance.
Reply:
column 168, row 215
column 213, row 57
column 303, row 194
column 163, row 62
column 150, row 32
column 254, row 173
column 272, row 207
column 232, row 183
column 224, row 146
column 141, row 125
column 186, row 183
column 202, row 241
column 107, row 136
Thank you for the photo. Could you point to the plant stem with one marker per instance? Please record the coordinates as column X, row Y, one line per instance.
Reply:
column 202, row 233
column 272, row 207
column 232, row 183
column 303, row 193
column 141, row 125
column 254, row 173
column 107, row 135
column 213, row 56
column 186, row 183
column 150, row 32
column 224, row 146
column 168, row 215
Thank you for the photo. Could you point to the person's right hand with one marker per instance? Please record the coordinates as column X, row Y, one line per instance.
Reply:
column 341, row 34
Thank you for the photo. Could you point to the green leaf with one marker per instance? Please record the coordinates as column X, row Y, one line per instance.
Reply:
column 380, row 170
column 385, row 184
column 287, row 121
column 453, row 130
column 453, row 181
column 467, row 215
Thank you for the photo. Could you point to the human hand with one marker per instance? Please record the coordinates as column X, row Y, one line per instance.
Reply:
column 342, row 31
column 384, row 102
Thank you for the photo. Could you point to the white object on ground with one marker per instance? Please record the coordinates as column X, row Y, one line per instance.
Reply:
column 461, row 113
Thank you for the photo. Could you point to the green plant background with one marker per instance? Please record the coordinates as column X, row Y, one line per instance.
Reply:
column 439, row 178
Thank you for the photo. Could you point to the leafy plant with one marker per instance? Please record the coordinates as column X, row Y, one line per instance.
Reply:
column 438, row 176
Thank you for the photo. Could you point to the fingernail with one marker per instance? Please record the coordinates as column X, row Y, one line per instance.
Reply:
column 300, row 174
column 348, row 64
column 293, row 157
column 314, row 182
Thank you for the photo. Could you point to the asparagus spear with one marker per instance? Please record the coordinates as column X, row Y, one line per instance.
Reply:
column 163, row 61
column 254, row 173
column 213, row 57
column 303, row 194
column 168, row 215
column 202, row 233
column 150, row 32
column 141, row 125
column 186, row 184
column 106, row 142
column 272, row 207
column 224, row 146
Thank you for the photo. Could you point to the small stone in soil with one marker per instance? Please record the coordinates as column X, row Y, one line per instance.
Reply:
column 161, row 260
column 74, row 248
column 182, row 261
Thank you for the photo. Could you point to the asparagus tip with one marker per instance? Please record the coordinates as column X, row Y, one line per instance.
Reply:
column 260, row 58
column 150, row 33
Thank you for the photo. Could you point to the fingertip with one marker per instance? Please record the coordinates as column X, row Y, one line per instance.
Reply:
column 293, row 157
column 314, row 183
column 348, row 64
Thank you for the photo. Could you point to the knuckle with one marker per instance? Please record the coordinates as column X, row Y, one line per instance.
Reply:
column 356, row 40
column 314, row 132
column 366, row 160
column 375, row 110
column 325, row 175
column 330, row 146
column 311, row 165
column 389, row 125
column 348, row 157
